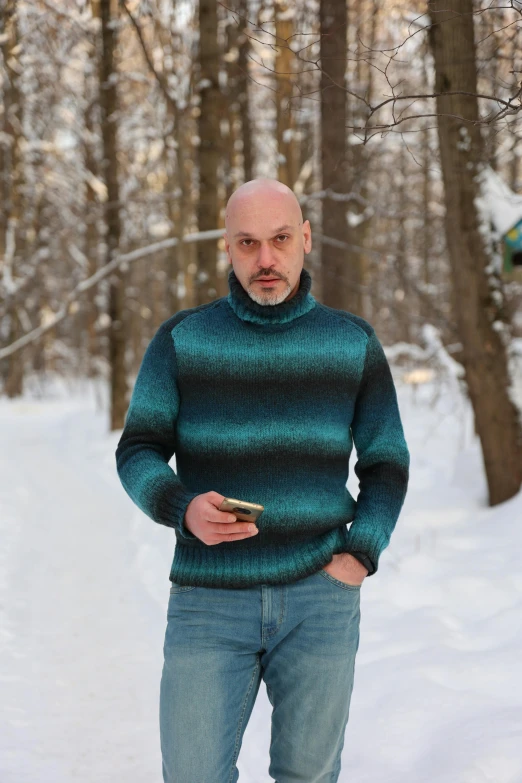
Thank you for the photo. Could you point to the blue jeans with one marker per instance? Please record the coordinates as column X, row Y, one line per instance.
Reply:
column 300, row 638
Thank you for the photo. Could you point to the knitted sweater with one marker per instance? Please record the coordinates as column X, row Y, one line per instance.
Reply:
column 264, row 403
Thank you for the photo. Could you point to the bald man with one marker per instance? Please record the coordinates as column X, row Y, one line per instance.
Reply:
column 261, row 395
column 261, row 204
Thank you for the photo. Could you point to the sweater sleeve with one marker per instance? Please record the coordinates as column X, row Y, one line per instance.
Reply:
column 148, row 440
column 383, row 459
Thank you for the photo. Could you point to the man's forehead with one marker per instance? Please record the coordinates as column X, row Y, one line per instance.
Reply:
column 248, row 207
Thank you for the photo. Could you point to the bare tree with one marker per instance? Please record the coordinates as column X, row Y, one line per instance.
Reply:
column 210, row 147
column 243, row 92
column 11, row 162
column 108, row 14
column 90, row 146
column 480, row 311
column 363, row 18
column 287, row 148
column 337, row 272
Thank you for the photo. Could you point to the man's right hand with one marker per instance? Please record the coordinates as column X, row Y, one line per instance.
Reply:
column 212, row 526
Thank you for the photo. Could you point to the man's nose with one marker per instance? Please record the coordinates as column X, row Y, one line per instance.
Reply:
column 265, row 258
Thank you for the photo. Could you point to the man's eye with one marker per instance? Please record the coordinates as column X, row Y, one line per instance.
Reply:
column 284, row 236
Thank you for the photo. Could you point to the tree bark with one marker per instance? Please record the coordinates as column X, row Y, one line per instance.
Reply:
column 287, row 159
column 339, row 275
column 210, row 149
column 11, row 242
column 480, row 312
column 363, row 18
column 244, row 92
column 108, row 13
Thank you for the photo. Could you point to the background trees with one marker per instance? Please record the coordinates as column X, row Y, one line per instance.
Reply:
column 128, row 124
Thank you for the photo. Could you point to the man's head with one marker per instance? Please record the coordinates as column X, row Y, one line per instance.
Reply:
column 266, row 238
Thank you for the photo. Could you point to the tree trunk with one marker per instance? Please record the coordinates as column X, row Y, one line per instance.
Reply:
column 480, row 311
column 285, row 123
column 243, row 92
column 209, row 151
column 362, row 15
column 232, row 111
column 108, row 13
column 339, row 275
column 91, row 239
column 514, row 155
column 11, row 242
column 427, row 223
column 402, row 301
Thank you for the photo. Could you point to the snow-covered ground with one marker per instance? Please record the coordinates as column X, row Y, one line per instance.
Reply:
column 84, row 590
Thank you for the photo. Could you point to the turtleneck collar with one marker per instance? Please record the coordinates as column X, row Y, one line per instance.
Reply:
column 248, row 310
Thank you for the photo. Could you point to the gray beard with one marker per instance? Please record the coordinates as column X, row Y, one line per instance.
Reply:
column 269, row 298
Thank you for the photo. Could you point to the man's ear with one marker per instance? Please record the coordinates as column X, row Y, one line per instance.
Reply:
column 308, row 229
column 227, row 247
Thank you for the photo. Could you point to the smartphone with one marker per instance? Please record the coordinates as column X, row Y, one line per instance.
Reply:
column 249, row 512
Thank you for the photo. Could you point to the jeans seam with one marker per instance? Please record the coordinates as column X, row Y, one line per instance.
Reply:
column 241, row 719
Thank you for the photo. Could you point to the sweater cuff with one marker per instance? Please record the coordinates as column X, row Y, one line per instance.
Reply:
column 171, row 510
column 366, row 545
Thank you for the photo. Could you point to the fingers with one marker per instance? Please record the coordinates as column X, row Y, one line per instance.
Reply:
column 214, row 500
column 232, row 536
column 224, row 525
column 231, row 530
column 213, row 514
column 241, row 529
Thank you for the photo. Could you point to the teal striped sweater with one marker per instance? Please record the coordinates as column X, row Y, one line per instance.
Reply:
column 264, row 403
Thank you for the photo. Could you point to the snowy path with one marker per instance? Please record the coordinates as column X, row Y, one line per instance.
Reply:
column 80, row 653
column 83, row 596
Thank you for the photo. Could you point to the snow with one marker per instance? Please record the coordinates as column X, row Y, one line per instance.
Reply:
column 503, row 206
column 498, row 210
column 84, row 590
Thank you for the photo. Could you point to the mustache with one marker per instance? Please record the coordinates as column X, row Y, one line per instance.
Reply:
column 260, row 277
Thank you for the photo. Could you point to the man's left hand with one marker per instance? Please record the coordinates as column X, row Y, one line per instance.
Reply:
column 346, row 568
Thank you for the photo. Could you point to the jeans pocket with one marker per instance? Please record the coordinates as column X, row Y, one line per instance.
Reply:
column 338, row 582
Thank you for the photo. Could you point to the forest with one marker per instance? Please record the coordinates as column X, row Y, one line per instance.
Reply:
column 125, row 127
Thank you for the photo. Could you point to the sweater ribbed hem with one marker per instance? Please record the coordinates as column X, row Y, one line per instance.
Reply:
column 261, row 563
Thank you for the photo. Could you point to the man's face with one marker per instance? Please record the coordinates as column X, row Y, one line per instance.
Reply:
column 266, row 242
